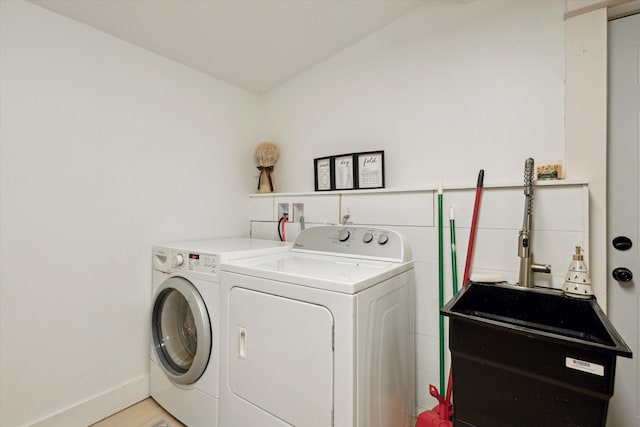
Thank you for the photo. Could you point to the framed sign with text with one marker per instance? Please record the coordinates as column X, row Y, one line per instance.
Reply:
column 344, row 172
column 369, row 169
column 323, row 168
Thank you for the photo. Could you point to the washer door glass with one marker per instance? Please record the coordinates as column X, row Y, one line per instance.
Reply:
column 181, row 330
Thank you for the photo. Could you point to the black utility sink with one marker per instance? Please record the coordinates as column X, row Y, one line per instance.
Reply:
column 530, row 357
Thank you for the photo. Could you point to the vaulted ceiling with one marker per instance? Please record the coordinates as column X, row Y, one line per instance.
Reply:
column 253, row 44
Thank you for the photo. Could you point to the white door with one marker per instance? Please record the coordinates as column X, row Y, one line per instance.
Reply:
column 281, row 356
column 623, row 222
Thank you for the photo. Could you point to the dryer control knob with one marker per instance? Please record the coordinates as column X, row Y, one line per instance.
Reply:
column 383, row 239
column 344, row 234
column 177, row 261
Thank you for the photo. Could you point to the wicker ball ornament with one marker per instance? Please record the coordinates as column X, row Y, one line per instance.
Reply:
column 267, row 155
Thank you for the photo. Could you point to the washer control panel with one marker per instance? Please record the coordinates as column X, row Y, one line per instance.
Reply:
column 175, row 261
column 355, row 241
column 202, row 263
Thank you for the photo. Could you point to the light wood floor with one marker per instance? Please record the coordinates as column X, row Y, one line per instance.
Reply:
column 146, row 413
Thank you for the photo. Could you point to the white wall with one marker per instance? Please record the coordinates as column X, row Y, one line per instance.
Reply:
column 586, row 124
column 446, row 90
column 105, row 149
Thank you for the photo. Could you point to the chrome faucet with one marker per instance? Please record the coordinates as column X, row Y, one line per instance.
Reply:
column 527, row 266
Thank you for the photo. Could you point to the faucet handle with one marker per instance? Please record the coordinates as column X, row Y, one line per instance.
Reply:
column 541, row 268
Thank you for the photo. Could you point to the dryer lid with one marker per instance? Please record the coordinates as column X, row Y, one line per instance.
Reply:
column 333, row 273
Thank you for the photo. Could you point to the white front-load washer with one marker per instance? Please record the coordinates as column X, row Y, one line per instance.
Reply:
column 322, row 335
column 185, row 354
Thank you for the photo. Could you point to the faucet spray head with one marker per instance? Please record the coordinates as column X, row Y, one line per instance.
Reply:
column 527, row 266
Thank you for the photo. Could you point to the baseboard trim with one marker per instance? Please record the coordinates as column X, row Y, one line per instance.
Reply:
column 99, row 407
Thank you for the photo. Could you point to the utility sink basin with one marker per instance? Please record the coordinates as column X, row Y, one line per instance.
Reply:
column 530, row 357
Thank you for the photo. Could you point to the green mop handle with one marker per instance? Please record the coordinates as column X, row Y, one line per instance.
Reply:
column 441, row 287
column 454, row 261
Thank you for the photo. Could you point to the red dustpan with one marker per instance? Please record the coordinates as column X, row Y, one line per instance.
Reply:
column 440, row 415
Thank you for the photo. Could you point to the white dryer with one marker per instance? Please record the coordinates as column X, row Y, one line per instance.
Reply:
column 322, row 335
column 184, row 368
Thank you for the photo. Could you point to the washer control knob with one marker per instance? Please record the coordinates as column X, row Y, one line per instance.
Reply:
column 177, row 261
column 367, row 238
column 343, row 235
column 382, row 239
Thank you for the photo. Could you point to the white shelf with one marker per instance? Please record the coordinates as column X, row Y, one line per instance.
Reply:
column 541, row 183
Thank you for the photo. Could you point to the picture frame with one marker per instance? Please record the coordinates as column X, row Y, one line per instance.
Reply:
column 344, row 172
column 369, row 169
column 323, row 169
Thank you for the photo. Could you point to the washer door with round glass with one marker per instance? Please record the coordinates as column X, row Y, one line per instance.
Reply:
column 181, row 331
